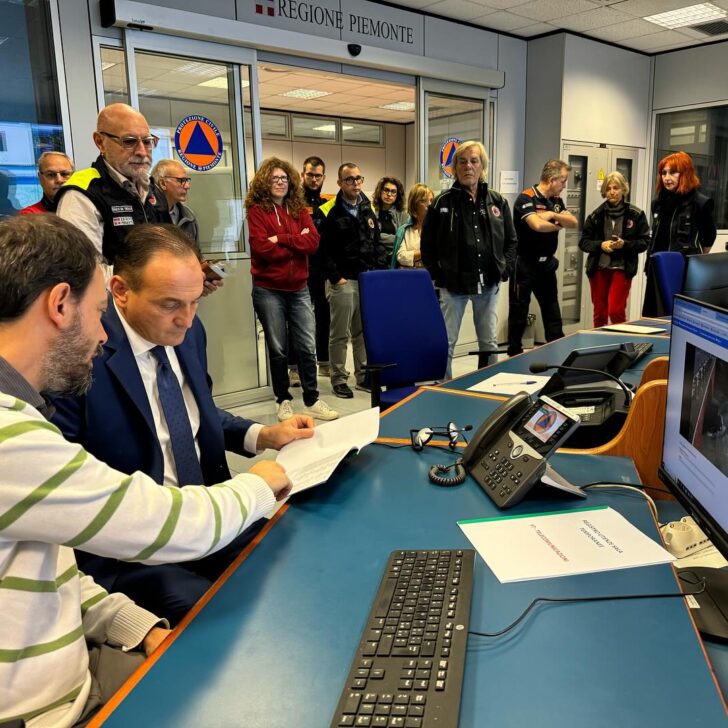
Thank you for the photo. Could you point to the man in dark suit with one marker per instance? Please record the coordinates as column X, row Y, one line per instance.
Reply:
column 150, row 407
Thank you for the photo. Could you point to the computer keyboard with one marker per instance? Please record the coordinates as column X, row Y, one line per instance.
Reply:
column 408, row 669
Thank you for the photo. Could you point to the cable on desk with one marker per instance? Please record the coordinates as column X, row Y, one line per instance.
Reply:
column 605, row 598
column 637, row 489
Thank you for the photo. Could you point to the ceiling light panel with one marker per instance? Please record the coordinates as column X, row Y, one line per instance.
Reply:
column 399, row 106
column 305, row 93
column 691, row 15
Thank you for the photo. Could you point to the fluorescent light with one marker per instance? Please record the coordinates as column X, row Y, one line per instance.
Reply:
column 106, row 65
column 196, row 68
column 305, row 93
column 326, row 127
column 400, row 106
column 217, row 82
column 346, row 127
column 691, row 15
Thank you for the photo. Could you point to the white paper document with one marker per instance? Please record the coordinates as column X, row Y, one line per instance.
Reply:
column 312, row 461
column 509, row 383
column 541, row 546
column 635, row 329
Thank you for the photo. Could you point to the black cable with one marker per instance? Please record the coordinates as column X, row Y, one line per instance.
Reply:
column 562, row 600
column 641, row 486
column 392, row 445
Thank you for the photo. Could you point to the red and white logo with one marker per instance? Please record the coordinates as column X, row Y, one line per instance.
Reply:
column 630, row 223
column 266, row 8
column 495, row 211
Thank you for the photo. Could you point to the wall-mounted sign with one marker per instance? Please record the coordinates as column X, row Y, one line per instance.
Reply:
column 447, row 154
column 198, row 142
column 358, row 21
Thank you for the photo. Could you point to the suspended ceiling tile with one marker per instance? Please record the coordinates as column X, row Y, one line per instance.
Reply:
column 593, row 19
column 546, row 10
column 503, row 20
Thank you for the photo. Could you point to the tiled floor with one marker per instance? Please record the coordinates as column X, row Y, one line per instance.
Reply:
column 265, row 412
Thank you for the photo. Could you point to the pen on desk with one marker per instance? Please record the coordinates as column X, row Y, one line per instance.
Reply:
column 503, row 384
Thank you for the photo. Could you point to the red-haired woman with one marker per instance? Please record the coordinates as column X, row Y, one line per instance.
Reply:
column 682, row 219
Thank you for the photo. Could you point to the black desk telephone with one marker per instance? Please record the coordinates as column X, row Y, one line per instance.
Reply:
column 507, row 455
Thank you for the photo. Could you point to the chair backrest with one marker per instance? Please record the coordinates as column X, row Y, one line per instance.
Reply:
column 641, row 436
column 403, row 325
column 706, row 278
column 669, row 271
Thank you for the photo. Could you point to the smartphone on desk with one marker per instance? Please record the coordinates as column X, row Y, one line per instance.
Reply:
column 507, row 455
column 214, row 270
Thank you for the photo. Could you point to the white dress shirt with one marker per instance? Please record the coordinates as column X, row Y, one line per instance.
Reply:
column 147, row 363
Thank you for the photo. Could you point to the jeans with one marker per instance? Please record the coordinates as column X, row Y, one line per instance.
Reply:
column 485, row 318
column 345, row 324
column 317, row 291
column 281, row 312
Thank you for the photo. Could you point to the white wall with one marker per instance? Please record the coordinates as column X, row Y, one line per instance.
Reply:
column 606, row 94
column 691, row 76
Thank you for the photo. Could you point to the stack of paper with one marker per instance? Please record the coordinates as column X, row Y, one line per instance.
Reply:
column 540, row 546
column 312, row 461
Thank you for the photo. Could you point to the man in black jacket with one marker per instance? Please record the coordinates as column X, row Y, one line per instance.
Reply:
column 349, row 246
column 468, row 245
column 106, row 200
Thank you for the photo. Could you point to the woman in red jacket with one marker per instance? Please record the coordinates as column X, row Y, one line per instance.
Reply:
column 282, row 236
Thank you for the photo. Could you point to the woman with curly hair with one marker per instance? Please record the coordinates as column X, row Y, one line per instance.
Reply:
column 282, row 236
column 682, row 219
column 388, row 206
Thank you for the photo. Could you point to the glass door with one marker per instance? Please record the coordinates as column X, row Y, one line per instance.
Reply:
column 192, row 94
column 450, row 114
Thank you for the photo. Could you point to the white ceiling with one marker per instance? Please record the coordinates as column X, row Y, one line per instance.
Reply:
column 614, row 21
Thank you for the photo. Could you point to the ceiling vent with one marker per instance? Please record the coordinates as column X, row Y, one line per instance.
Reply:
column 714, row 27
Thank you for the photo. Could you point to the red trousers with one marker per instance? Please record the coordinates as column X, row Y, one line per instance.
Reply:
column 609, row 291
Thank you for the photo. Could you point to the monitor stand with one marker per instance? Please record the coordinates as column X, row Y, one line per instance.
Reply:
column 711, row 618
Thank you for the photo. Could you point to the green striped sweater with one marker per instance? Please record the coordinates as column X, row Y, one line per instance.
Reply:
column 55, row 496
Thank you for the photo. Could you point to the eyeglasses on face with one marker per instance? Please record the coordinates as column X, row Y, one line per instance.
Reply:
column 181, row 180
column 51, row 174
column 353, row 180
column 389, row 191
column 131, row 142
column 315, row 177
column 279, row 178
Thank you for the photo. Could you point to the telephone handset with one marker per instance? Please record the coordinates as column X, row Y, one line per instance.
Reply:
column 507, row 455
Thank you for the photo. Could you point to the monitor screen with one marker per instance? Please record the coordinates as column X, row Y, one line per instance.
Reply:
column 695, row 451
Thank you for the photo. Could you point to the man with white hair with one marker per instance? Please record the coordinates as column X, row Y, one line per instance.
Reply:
column 173, row 180
column 468, row 245
column 114, row 194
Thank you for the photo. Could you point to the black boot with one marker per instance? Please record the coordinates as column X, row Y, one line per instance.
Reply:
column 485, row 359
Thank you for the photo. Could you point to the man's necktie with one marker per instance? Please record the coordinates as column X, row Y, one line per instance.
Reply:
column 186, row 461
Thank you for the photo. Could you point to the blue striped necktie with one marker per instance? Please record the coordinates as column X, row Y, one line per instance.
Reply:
column 186, row 461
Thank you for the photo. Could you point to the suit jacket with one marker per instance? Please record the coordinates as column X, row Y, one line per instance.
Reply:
column 113, row 421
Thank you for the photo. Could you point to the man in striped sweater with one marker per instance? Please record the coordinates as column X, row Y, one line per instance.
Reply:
column 64, row 641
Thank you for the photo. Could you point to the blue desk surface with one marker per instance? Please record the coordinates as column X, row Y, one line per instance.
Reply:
column 273, row 646
column 556, row 351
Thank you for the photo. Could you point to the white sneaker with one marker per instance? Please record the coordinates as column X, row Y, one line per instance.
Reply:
column 285, row 410
column 321, row 411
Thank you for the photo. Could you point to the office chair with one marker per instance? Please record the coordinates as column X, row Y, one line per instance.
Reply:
column 641, row 436
column 404, row 332
column 669, row 271
column 706, row 278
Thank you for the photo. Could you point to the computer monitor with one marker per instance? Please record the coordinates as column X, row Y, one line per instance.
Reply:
column 695, row 451
column 706, row 278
